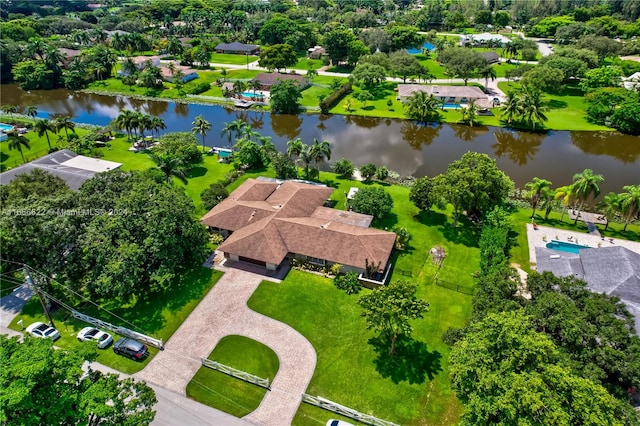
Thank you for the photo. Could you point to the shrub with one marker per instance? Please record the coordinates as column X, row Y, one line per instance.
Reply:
column 368, row 171
column 402, row 237
column 344, row 168
column 199, row 88
column 382, row 173
column 216, row 239
column 212, row 195
column 452, row 335
column 348, row 282
column 335, row 97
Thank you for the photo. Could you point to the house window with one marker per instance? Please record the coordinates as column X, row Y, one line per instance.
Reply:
column 464, row 100
column 316, row 261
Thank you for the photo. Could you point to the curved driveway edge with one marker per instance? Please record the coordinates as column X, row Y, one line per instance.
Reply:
column 222, row 312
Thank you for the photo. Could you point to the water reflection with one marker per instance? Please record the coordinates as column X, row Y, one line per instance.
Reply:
column 287, row 126
column 419, row 135
column 622, row 147
column 468, row 133
column 181, row 109
column 519, row 147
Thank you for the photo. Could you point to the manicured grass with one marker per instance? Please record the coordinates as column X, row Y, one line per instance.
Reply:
column 227, row 393
column 305, row 63
column 311, row 93
column 231, row 59
column 241, row 74
column 434, row 67
column 326, row 80
column 159, row 315
column 566, row 111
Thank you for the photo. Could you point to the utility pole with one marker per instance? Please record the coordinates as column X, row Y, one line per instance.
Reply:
column 36, row 288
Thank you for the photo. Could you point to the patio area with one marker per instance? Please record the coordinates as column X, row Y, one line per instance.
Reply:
column 543, row 234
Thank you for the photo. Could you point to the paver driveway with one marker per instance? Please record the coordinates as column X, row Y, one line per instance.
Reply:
column 223, row 312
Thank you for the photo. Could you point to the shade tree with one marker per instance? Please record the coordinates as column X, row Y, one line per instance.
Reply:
column 285, row 98
column 373, row 201
column 277, row 56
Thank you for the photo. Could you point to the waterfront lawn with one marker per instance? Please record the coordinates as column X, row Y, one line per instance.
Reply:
column 160, row 315
column 227, row 393
column 566, row 111
column 231, row 59
column 311, row 93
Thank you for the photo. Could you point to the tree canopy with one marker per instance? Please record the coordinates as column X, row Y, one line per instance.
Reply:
column 372, row 200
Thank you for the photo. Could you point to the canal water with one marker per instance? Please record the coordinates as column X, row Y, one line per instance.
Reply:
column 401, row 145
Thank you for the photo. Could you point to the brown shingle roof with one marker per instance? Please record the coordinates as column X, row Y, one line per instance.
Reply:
column 270, row 220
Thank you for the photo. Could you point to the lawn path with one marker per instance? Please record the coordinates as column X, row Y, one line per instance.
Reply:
column 223, row 312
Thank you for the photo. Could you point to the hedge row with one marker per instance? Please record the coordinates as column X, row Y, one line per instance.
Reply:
column 330, row 101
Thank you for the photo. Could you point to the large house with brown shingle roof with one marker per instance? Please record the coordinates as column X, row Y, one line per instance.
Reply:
column 268, row 80
column 269, row 221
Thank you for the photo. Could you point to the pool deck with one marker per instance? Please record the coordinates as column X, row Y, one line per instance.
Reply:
column 536, row 238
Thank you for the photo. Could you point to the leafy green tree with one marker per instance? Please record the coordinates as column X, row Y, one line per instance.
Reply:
column 344, row 168
column 404, row 36
column 388, row 310
column 462, row 63
column 181, row 145
column 17, row 141
column 402, row 237
column 469, row 114
column 544, row 78
column 213, row 195
column 348, row 282
column 603, row 102
column 251, row 154
column 535, row 189
column 572, row 68
column 368, row 75
column 363, row 96
column 422, row 194
column 33, row 75
column 501, row 18
column 170, row 165
column 373, row 201
column 35, row 183
column 532, row 107
column 382, row 173
column 284, row 166
column 601, row 77
column 630, row 203
column 277, row 56
column 603, row 46
column 511, row 110
column 626, row 118
column 237, row 127
column 40, row 383
column 422, row 107
column 403, row 64
column 378, row 58
column 201, row 127
column 487, row 72
column 368, row 171
column 585, row 185
column 336, row 43
column 355, row 50
column 285, row 98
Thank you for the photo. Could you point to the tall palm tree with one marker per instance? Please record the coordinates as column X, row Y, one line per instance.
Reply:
column 235, row 127
column 295, row 148
column 470, row 114
column 630, row 203
column 320, row 151
column 422, row 106
column 306, row 157
column 64, row 122
column 533, row 108
column 201, row 127
column 610, row 205
column 564, row 193
column 170, row 166
column 31, row 111
column 17, row 141
column 124, row 121
column 488, row 72
column 548, row 196
column 144, row 123
column 255, row 85
column 585, row 185
column 157, row 124
column 9, row 109
column 43, row 127
column 511, row 109
column 535, row 190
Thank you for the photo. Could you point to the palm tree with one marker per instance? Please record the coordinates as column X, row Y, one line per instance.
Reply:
column 157, row 124
column 255, row 85
column 124, row 121
column 511, row 49
column 511, row 108
column 236, row 127
column 630, row 202
column 43, row 127
column 170, row 166
column 17, row 141
column 144, row 123
column 536, row 188
column 548, row 195
column 610, row 205
column 320, row 151
column 64, row 122
column 565, row 193
column 488, row 72
column 533, row 108
column 9, row 109
column 311, row 74
column 585, row 184
column 306, row 157
column 31, row 111
column 201, row 127
column 422, row 106
column 295, row 148
column 470, row 113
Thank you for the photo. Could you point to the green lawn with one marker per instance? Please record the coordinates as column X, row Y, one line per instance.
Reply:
column 159, row 315
column 305, row 63
column 227, row 393
column 566, row 111
column 311, row 93
column 231, row 59
column 434, row 67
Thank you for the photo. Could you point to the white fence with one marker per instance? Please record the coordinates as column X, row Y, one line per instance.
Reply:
column 236, row 373
column 120, row 330
column 321, row 402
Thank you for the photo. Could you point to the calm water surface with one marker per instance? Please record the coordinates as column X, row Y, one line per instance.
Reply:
column 401, row 145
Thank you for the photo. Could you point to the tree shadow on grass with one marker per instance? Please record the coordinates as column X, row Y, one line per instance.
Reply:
column 197, row 172
column 412, row 362
column 556, row 104
column 465, row 233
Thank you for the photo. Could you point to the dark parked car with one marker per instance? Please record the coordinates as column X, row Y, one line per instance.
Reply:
column 131, row 348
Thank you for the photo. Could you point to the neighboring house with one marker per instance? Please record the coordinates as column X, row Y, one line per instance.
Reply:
column 238, row 48
column 490, row 57
column 316, row 52
column 611, row 270
column 188, row 74
column 74, row 169
column 68, row 54
column 632, row 82
column 267, row 80
column 269, row 221
column 486, row 38
column 141, row 62
column 445, row 94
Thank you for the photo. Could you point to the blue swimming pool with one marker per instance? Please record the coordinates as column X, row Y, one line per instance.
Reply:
column 5, row 127
column 568, row 247
column 426, row 45
column 450, row 106
column 252, row 95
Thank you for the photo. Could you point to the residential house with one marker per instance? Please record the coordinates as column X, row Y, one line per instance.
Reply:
column 632, row 82
column 188, row 74
column 267, row 80
column 490, row 57
column 316, row 52
column 269, row 221
column 238, row 48
column 611, row 270
column 445, row 94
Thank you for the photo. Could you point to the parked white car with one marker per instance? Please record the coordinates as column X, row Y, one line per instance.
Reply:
column 90, row 333
column 334, row 422
column 43, row 331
